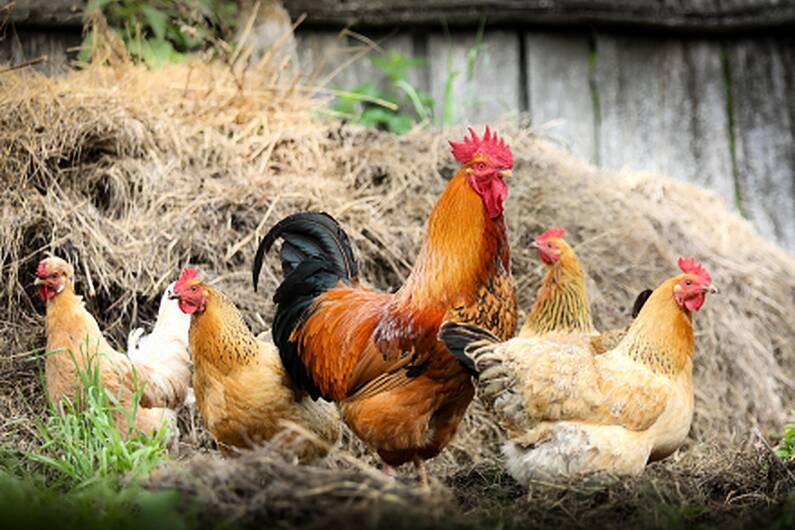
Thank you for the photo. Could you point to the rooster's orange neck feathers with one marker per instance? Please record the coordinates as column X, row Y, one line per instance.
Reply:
column 562, row 301
column 461, row 248
column 661, row 337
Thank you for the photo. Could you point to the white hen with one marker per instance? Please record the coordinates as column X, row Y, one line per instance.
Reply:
column 164, row 351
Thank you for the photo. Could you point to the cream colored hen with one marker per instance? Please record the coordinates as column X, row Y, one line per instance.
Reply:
column 570, row 412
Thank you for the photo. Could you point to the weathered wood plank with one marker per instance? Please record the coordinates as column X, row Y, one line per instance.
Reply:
column 693, row 15
column 663, row 109
column 25, row 44
column 700, row 15
column 628, row 94
column 561, row 102
column 762, row 98
column 343, row 62
column 694, row 134
column 483, row 88
column 47, row 13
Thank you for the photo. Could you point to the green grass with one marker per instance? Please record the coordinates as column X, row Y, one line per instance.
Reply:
column 85, row 474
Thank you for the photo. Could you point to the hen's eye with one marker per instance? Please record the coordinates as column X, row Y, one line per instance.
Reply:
column 54, row 275
column 193, row 288
column 688, row 282
column 549, row 245
column 481, row 166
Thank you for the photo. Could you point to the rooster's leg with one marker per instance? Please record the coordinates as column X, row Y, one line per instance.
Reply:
column 387, row 470
column 422, row 473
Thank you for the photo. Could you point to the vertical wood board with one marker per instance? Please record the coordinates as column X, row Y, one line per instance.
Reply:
column 559, row 88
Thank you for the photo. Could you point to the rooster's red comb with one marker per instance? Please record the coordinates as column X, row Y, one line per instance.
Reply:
column 689, row 266
column 188, row 273
column 490, row 145
column 552, row 232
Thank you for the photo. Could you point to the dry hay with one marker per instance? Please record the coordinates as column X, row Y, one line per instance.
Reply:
column 133, row 174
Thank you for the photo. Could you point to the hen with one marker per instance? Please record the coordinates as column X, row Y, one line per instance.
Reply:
column 573, row 412
column 561, row 310
column 377, row 354
column 243, row 393
column 75, row 343
column 164, row 351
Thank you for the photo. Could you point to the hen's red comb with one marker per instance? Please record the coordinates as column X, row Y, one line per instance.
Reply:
column 490, row 145
column 552, row 232
column 41, row 269
column 188, row 273
column 689, row 266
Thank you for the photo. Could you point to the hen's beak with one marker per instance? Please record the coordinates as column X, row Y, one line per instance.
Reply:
column 38, row 281
column 535, row 244
column 710, row 289
column 173, row 296
column 506, row 173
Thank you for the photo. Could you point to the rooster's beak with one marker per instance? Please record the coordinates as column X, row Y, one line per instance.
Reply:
column 173, row 296
column 506, row 173
column 535, row 244
column 38, row 281
column 710, row 289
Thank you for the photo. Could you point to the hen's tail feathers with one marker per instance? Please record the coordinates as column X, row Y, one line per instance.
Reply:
column 308, row 235
column 640, row 301
column 316, row 255
column 463, row 340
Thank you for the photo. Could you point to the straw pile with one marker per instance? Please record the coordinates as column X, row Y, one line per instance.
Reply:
column 132, row 174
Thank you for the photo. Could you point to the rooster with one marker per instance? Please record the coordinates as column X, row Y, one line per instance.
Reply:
column 561, row 309
column 572, row 412
column 243, row 393
column 164, row 351
column 376, row 353
column 75, row 343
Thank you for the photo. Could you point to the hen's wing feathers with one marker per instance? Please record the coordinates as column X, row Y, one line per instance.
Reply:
column 569, row 383
column 528, row 380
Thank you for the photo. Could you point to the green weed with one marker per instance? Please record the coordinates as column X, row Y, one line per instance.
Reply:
column 786, row 447
column 162, row 31
column 395, row 108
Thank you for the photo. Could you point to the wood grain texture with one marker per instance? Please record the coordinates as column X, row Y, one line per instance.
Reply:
column 663, row 109
column 482, row 90
column 561, row 103
column 700, row 15
column 762, row 80
column 52, row 13
column 343, row 62
column 693, row 15
column 26, row 44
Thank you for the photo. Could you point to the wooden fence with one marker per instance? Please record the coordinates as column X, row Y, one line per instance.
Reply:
column 714, row 111
column 713, row 107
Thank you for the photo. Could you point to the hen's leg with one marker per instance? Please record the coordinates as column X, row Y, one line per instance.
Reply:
column 422, row 473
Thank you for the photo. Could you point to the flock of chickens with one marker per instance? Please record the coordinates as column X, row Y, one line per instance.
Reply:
column 401, row 368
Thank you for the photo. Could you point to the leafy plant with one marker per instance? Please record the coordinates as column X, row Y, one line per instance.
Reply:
column 82, row 444
column 395, row 108
column 786, row 447
column 162, row 31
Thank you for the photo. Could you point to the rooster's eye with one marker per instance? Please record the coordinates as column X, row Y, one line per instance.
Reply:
column 688, row 282
column 481, row 166
column 54, row 275
column 193, row 288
